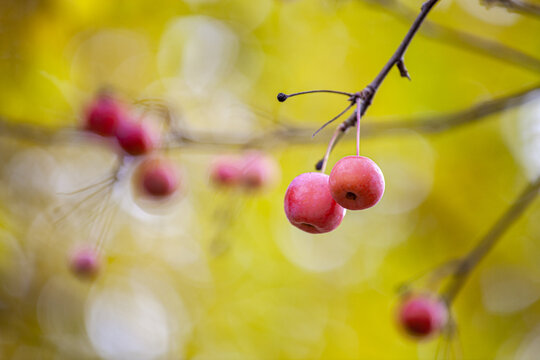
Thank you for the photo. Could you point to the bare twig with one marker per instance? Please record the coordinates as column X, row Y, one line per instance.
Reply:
column 397, row 57
column 27, row 132
column 461, row 39
column 285, row 133
column 365, row 97
column 469, row 262
column 442, row 122
column 518, row 6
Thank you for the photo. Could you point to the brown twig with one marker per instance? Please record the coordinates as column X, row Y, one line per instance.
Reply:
column 462, row 39
column 365, row 97
column 397, row 57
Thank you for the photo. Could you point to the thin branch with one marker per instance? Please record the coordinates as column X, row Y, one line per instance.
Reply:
column 285, row 133
column 434, row 124
column 431, row 279
column 518, row 207
column 27, row 132
column 461, row 39
column 397, row 57
column 442, row 122
column 517, row 6
column 109, row 179
column 365, row 97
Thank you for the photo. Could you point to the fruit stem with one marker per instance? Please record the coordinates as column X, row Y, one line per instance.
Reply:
column 282, row 97
column 358, row 117
column 332, row 120
column 329, row 149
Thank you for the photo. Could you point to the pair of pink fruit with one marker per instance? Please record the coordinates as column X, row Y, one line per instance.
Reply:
column 251, row 170
column 316, row 202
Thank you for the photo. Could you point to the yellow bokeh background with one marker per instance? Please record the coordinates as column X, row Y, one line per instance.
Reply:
column 223, row 275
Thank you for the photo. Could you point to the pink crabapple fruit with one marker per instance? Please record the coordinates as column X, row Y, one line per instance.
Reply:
column 309, row 205
column 252, row 170
column 258, row 170
column 157, row 177
column 103, row 115
column 356, row 182
column 422, row 316
column 135, row 138
column 225, row 171
column 84, row 262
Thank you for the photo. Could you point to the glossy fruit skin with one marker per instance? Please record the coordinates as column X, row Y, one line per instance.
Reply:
column 104, row 115
column 158, row 177
column 226, row 171
column 356, row 182
column 85, row 263
column 309, row 205
column 422, row 316
column 135, row 138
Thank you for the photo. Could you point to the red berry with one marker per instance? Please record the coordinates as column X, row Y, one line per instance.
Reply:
column 226, row 171
column 422, row 316
column 104, row 115
column 309, row 205
column 157, row 177
column 84, row 262
column 136, row 138
column 258, row 170
column 356, row 183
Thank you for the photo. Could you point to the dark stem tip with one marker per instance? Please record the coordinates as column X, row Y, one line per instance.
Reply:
column 318, row 165
column 282, row 97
